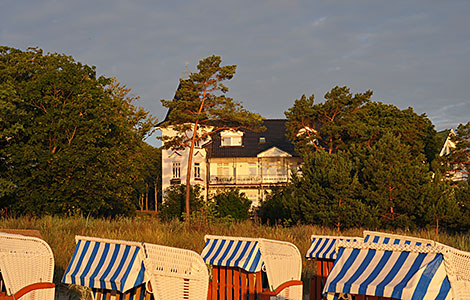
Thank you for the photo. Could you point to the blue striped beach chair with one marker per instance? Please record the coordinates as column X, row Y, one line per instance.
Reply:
column 399, row 267
column 111, row 268
column 249, row 268
column 323, row 251
column 123, row 270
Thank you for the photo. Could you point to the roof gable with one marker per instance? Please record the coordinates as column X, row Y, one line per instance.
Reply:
column 274, row 152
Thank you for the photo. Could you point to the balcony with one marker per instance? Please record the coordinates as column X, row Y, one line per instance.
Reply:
column 247, row 179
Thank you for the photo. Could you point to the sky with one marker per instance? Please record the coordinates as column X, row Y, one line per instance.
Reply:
column 409, row 53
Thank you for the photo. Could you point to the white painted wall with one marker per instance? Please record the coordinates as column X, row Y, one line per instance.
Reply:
column 170, row 156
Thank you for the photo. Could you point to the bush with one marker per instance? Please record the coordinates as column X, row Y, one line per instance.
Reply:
column 232, row 203
column 280, row 206
column 173, row 205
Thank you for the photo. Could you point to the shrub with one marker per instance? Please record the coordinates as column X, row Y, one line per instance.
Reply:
column 174, row 201
column 232, row 203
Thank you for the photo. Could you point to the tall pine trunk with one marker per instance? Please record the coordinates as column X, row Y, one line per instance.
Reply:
column 188, row 171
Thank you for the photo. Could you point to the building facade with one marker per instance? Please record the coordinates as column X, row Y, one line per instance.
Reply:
column 253, row 162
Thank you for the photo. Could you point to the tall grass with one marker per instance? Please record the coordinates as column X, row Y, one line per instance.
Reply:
column 59, row 233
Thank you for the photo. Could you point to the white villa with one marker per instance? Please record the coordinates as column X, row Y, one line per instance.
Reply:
column 253, row 162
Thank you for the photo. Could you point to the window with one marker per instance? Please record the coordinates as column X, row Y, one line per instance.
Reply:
column 252, row 169
column 197, row 170
column 231, row 138
column 231, row 141
column 223, row 169
column 262, row 140
column 227, row 141
column 176, row 169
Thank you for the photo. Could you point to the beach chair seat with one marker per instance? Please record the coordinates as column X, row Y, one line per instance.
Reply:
column 123, row 270
column 323, row 251
column 252, row 268
column 26, row 268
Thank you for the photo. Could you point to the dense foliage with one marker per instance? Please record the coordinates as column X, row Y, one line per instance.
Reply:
column 367, row 164
column 69, row 139
column 174, row 199
column 231, row 203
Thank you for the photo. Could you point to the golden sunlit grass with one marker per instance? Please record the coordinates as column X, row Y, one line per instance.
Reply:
column 59, row 233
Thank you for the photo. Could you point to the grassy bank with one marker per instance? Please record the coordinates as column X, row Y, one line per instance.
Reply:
column 59, row 233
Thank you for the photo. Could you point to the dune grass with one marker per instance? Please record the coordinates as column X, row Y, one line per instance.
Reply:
column 59, row 233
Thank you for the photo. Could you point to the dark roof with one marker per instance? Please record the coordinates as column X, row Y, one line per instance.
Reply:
column 275, row 136
column 169, row 110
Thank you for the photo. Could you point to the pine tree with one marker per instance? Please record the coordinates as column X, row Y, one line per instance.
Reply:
column 200, row 109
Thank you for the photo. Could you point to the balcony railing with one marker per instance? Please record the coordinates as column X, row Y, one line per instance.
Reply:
column 247, row 179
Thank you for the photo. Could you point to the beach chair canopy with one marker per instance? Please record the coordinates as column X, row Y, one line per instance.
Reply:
column 225, row 251
column 280, row 260
column 395, row 239
column 400, row 271
column 24, row 261
column 106, row 264
column 324, row 247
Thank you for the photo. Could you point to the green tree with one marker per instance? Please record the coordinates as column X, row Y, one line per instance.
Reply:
column 68, row 137
column 329, row 192
column 462, row 197
column 375, row 119
column 200, row 109
column 394, row 180
column 438, row 205
column 344, row 119
column 147, row 181
column 173, row 206
column 325, row 123
column 232, row 203
column 281, row 206
column 459, row 158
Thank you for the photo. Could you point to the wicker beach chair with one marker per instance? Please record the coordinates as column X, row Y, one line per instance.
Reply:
column 323, row 251
column 401, row 268
column 116, row 269
column 26, row 268
column 395, row 239
column 247, row 268
column 176, row 273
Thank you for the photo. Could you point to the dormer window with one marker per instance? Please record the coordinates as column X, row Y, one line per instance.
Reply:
column 231, row 138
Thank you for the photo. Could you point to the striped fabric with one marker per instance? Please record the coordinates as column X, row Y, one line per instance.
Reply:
column 324, row 247
column 232, row 252
column 394, row 239
column 103, row 264
column 415, row 274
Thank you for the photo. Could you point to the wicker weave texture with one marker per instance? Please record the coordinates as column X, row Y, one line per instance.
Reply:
column 283, row 263
column 176, row 273
column 457, row 264
column 396, row 238
column 26, row 260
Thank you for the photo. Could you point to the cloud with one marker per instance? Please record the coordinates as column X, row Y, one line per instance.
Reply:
column 409, row 53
